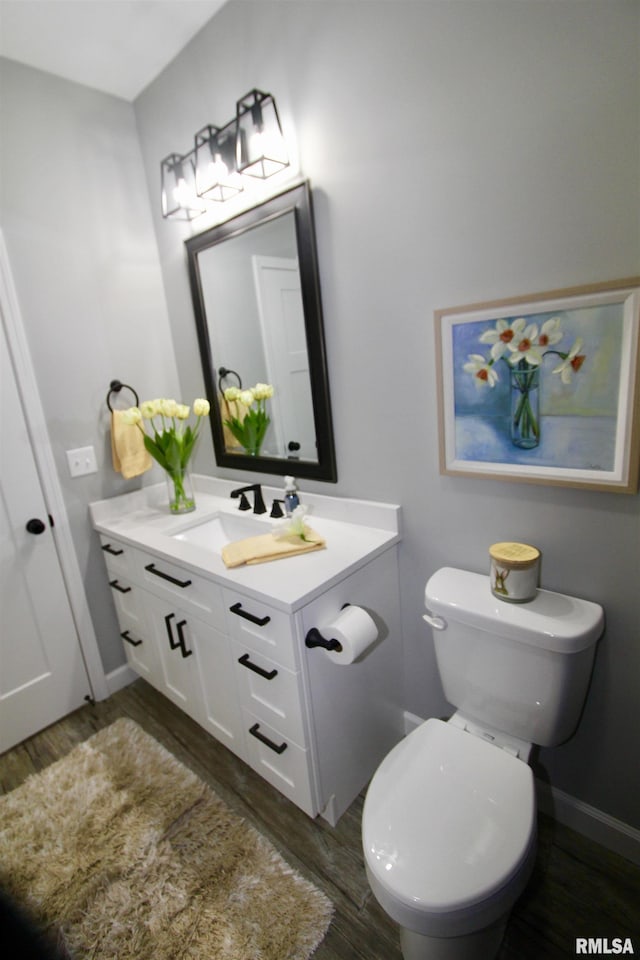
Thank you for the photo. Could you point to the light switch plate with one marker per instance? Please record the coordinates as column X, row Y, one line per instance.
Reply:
column 82, row 461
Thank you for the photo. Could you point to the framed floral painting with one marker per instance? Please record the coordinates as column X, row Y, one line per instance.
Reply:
column 543, row 388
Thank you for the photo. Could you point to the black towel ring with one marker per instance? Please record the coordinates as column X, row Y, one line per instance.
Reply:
column 224, row 372
column 115, row 387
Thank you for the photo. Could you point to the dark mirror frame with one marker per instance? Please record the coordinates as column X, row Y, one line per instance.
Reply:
column 297, row 199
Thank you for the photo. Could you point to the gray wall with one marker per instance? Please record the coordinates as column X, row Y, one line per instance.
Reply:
column 458, row 151
column 75, row 213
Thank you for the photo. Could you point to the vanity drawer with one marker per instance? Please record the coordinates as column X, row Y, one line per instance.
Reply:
column 171, row 581
column 284, row 764
column 139, row 648
column 128, row 600
column 118, row 556
column 271, row 692
column 261, row 628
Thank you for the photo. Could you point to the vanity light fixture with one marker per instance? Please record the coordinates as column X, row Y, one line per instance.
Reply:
column 179, row 198
column 216, row 175
column 249, row 146
column 260, row 147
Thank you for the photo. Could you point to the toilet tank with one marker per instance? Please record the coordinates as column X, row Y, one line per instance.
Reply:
column 522, row 668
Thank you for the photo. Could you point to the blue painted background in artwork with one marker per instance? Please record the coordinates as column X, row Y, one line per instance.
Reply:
column 578, row 420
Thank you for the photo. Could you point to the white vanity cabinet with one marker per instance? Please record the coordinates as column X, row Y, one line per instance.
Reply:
column 128, row 597
column 180, row 643
column 197, row 669
column 228, row 646
column 272, row 698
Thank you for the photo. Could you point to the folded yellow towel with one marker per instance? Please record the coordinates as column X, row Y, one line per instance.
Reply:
column 267, row 547
column 128, row 452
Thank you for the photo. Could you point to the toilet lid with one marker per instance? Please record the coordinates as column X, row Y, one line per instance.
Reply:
column 448, row 818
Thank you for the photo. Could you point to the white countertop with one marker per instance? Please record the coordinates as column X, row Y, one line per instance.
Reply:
column 355, row 532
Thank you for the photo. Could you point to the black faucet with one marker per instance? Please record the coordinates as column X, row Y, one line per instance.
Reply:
column 258, row 502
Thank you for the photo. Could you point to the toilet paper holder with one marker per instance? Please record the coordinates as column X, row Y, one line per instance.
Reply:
column 315, row 639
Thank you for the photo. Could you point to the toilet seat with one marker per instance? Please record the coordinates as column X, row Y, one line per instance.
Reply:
column 448, row 830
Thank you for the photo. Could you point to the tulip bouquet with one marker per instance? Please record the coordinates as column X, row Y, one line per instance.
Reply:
column 249, row 427
column 170, row 440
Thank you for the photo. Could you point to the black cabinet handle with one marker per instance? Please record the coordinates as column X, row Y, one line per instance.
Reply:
column 109, row 549
column 179, row 644
column 246, row 662
column 167, row 622
column 118, row 587
column 276, row 747
column 239, row 612
column 181, row 641
column 134, row 643
column 151, row 567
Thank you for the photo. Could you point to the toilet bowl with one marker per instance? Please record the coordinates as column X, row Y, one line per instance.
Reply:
column 449, row 836
column 449, row 820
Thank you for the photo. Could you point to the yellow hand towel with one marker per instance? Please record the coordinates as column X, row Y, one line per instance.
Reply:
column 129, row 454
column 267, row 547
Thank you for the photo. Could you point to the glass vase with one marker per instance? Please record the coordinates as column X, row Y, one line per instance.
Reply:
column 255, row 425
column 525, row 407
column 180, row 489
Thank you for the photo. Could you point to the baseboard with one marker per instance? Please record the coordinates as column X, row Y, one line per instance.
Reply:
column 411, row 721
column 615, row 835
column 119, row 678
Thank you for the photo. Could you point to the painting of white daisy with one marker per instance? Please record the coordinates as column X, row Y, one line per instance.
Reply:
column 543, row 388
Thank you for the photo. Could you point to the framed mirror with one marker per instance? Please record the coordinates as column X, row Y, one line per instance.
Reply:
column 256, row 298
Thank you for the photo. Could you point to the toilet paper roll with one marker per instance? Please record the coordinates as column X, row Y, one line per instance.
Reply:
column 355, row 630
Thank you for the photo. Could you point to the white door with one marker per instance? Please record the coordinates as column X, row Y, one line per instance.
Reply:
column 42, row 672
column 277, row 281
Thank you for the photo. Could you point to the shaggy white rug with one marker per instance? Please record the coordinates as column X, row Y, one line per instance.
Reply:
column 123, row 853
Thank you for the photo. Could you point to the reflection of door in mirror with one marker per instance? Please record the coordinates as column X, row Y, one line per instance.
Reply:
column 279, row 297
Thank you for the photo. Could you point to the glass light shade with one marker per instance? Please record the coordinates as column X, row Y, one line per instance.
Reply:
column 260, row 147
column 215, row 158
column 179, row 198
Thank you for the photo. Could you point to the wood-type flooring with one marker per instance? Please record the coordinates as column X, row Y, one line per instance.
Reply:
column 578, row 889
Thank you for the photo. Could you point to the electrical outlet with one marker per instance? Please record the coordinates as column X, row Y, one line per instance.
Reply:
column 82, row 461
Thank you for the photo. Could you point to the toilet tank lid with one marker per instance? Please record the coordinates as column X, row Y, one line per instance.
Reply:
column 551, row 621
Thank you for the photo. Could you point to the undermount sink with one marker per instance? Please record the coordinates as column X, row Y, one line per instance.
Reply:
column 222, row 528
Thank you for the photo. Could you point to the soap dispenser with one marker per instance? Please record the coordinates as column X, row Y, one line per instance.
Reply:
column 291, row 498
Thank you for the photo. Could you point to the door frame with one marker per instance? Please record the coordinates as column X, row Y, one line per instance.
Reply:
column 51, row 489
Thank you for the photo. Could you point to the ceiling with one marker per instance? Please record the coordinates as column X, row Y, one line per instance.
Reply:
column 117, row 46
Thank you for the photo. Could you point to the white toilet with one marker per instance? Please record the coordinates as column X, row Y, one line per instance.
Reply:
column 449, row 821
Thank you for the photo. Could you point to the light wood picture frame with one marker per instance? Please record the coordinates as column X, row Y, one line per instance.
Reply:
column 543, row 388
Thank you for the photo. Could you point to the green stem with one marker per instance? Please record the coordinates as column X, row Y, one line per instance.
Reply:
column 525, row 424
column 180, row 502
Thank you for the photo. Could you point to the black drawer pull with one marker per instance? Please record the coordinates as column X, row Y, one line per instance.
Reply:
column 167, row 622
column 237, row 609
column 181, row 641
column 134, row 643
column 276, row 747
column 109, row 549
column 151, row 567
column 246, row 662
column 118, row 587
